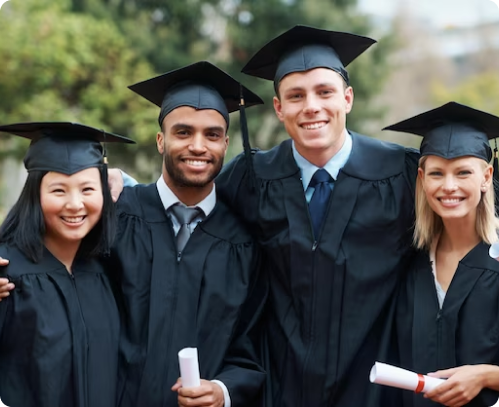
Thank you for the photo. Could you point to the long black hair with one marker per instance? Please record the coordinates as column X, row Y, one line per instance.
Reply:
column 24, row 226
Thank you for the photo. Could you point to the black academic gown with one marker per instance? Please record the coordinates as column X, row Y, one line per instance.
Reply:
column 328, row 295
column 464, row 332
column 59, row 334
column 196, row 300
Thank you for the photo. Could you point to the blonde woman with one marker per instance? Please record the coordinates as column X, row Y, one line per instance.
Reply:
column 447, row 318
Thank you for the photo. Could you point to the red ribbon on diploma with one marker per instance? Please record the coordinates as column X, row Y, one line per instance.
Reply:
column 420, row 386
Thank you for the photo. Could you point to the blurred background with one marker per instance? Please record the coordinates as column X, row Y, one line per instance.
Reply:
column 72, row 60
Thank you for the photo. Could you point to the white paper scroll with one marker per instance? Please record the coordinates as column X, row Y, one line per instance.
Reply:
column 388, row 375
column 189, row 367
column 494, row 252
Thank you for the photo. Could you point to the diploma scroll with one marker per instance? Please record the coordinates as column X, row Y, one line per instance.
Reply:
column 189, row 367
column 388, row 375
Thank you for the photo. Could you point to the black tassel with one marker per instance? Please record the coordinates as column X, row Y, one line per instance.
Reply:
column 495, row 181
column 104, row 162
column 246, row 143
column 496, row 164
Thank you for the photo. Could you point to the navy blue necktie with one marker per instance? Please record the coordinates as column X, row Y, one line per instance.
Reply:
column 318, row 204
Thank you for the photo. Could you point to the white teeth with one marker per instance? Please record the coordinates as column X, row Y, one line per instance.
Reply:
column 313, row 126
column 450, row 201
column 196, row 163
column 73, row 219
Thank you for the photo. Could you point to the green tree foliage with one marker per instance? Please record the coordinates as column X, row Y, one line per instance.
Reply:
column 478, row 91
column 73, row 60
column 61, row 66
column 170, row 34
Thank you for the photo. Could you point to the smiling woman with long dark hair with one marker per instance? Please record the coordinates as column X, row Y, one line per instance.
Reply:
column 59, row 328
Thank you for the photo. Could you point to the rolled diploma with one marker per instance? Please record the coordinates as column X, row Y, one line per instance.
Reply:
column 494, row 252
column 388, row 375
column 189, row 367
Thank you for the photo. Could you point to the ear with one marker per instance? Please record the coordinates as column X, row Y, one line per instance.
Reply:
column 278, row 108
column 488, row 178
column 160, row 137
column 421, row 175
column 348, row 99
column 226, row 144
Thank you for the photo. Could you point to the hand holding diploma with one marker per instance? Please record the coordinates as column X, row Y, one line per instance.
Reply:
column 388, row 375
column 462, row 385
column 192, row 391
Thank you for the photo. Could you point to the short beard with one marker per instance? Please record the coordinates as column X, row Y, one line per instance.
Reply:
column 180, row 180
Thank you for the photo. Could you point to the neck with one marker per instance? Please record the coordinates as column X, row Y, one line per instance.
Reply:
column 189, row 196
column 459, row 235
column 320, row 157
column 64, row 252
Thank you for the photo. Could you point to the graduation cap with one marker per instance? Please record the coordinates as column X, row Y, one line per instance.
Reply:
column 63, row 147
column 201, row 85
column 303, row 48
column 454, row 130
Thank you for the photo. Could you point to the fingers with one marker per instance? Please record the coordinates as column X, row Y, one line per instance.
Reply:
column 443, row 374
column 5, row 294
column 209, row 394
column 203, row 401
column 5, row 287
column 177, row 385
column 115, row 181
column 3, row 262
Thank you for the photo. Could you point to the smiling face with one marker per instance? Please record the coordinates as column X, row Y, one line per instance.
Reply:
column 193, row 144
column 71, row 206
column 453, row 188
column 313, row 106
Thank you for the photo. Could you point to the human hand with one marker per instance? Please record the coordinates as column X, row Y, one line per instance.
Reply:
column 209, row 394
column 462, row 385
column 5, row 285
column 115, row 181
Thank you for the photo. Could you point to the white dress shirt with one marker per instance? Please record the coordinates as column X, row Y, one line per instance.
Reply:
column 168, row 198
column 333, row 166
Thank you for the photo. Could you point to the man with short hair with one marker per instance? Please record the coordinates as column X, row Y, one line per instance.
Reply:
column 333, row 211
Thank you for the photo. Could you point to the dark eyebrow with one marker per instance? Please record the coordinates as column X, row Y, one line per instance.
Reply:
column 180, row 126
column 326, row 85
column 295, row 89
column 56, row 184
column 183, row 126
column 216, row 129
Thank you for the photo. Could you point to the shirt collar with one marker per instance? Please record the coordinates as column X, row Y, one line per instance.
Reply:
column 168, row 198
column 333, row 166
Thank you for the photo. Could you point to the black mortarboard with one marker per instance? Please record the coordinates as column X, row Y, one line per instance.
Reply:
column 63, row 147
column 303, row 48
column 453, row 130
column 201, row 85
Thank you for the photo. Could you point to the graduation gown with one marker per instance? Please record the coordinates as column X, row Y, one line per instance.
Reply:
column 200, row 299
column 464, row 332
column 59, row 334
column 328, row 296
